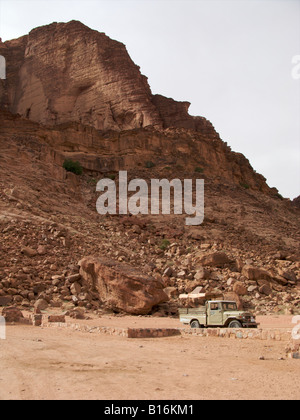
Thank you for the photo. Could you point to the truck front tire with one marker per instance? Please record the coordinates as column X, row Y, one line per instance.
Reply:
column 235, row 324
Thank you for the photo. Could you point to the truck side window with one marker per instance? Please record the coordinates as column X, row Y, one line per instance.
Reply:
column 214, row 306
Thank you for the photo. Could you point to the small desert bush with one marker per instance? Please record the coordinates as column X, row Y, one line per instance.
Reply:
column 149, row 164
column 245, row 185
column 74, row 167
column 164, row 244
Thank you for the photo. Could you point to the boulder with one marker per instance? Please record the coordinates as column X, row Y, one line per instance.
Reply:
column 42, row 250
column 256, row 273
column 121, row 287
column 5, row 300
column 215, row 259
column 181, row 274
column 239, row 288
column 251, row 288
column 40, row 305
column 288, row 275
column 12, row 314
column 74, row 278
column 29, row 252
column 265, row 289
column 201, row 274
column 75, row 288
column 76, row 313
column 168, row 272
column 171, row 292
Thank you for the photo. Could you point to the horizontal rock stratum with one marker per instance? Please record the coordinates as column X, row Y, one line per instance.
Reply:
column 68, row 72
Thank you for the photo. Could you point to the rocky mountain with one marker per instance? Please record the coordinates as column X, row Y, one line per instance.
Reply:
column 73, row 93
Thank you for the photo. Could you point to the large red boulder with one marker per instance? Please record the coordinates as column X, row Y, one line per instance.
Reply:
column 121, row 287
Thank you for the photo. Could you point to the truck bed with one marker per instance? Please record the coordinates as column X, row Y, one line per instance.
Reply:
column 186, row 315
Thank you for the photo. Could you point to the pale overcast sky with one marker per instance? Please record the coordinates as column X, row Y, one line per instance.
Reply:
column 232, row 59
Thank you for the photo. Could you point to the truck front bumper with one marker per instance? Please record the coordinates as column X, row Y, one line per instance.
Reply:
column 250, row 324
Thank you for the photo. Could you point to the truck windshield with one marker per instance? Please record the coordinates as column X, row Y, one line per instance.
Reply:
column 229, row 306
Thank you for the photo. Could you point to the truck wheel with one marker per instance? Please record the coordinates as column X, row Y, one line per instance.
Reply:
column 195, row 324
column 235, row 324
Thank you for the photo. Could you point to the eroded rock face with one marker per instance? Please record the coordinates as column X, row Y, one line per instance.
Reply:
column 121, row 287
column 103, row 152
column 67, row 72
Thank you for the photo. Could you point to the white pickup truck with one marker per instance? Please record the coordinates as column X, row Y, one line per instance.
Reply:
column 217, row 313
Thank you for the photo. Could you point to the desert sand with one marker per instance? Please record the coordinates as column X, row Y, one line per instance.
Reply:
column 46, row 363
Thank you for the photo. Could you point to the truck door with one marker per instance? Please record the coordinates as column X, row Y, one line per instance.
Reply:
column 215, row 314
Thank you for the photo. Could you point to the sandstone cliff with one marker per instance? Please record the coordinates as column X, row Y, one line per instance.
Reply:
column 172, row 150
column 69, row 76
column 67, row 72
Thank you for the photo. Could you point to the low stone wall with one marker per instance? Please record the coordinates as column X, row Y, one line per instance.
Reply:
column 122, row 332
column 242, row 333
column 152, row 332
column 235, row 333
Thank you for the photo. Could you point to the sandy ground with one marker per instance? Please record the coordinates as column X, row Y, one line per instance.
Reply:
column 45, row 363
column 274, row 321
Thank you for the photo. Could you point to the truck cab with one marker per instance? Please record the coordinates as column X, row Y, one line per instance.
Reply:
column 217, row 313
